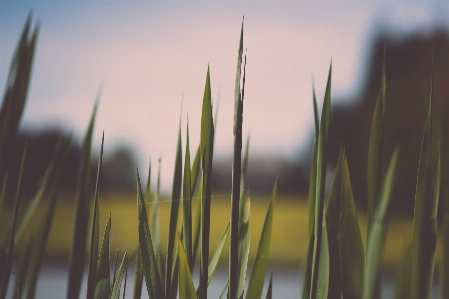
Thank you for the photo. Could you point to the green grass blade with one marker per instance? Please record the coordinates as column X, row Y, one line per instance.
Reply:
column 333, row 213
column 243, row 246
column 236, row 173
column 244, row 165
column 444, row 265
column 152, row 278
column 375, row 149
column 257, row 278
column 16, row 90
column 322, row 291
column 426, row 198
column 94, row 236
column 6, row 269
column 174, row 212
column 320, row 182
column 83, row 190
column 404, row 288
column 157, row 245
column 138, row 271
column 103, row 276
column 187, row 203
column 377, row 233
column 214, row 261
column 196, row 225
column 315, row 113
column 270, row 288
column 308, row 269
column 23, row 270
column 186, row 287
column 313, row 165
column 352, row 254
column 195, row 172
column 207, row 141
column 118, row 281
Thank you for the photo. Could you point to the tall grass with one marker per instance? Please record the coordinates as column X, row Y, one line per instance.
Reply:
column 337, row 266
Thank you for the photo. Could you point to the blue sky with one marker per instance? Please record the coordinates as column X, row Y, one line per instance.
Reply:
column 153, row 56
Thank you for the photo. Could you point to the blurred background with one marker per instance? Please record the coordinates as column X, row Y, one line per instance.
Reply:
column 149, row 61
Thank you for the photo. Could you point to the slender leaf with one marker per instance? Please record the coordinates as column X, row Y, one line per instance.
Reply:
column 83, row 190
column 377, row 234
column 174, row 212
column 352, row 254
column 118, row 281
column 323, row 270
column 152, row 278
column 186, row 287
column 244, row 244
column 155, row 227
column 187, row 203
column 94, row 236
column 320, row 183
column 270, row 288
column 5, row 271
column 103, row 276
column 207, row 141
column 214, row 261
column 236, row 173
column 257, row 278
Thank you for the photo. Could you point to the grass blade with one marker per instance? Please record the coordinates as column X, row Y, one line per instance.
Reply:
column 375, row 149
column 103, row 276
column 236, row 173
column 138, row 272
column 174, row 212
column 244, row 243
column 377, row 233
column 6, row 269
column 424, row 234
column 155, row 227
column 186, row 287
column 333, row 213
column 187, row 203
column 94, row 239
column 257, row 278
column 322, row 291
column 214, row 261
column 352, row 254
column 270, row 288
column 152, row 278
column 320, row 183
column 78, row 250
column 207, row 141
column 118, row 281
column 444, row 266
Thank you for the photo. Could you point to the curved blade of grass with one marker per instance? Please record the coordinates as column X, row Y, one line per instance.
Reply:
column 118, row 281
column 196, row 227
column 333, row 213
column 427, row 193
column 94, row 236
column 244, row 244
column 16, row 89
column 152, row 278
column 322, row 291
column 103, row 275
column 207, row 141
column 214, row 261
column 174, row 212
column 138, row 271
column 257, row 278
column 5, row 271
column 79, row 242
column 186, row 287
column 236, row 173
column 157, row 245
column 375, row 149
column 377, row 234
column 187, row 203
column 320, row 182
column 308, row 269
column 352, row 254
column 270, row 288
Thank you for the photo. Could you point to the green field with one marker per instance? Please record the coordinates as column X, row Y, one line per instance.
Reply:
column 288, row 243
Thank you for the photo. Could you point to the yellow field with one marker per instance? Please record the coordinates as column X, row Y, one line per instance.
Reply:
column 288, row 243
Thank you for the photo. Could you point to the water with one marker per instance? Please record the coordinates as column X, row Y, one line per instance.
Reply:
column 287, row 283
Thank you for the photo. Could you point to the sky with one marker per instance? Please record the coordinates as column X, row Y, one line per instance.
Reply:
column 152, row 57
